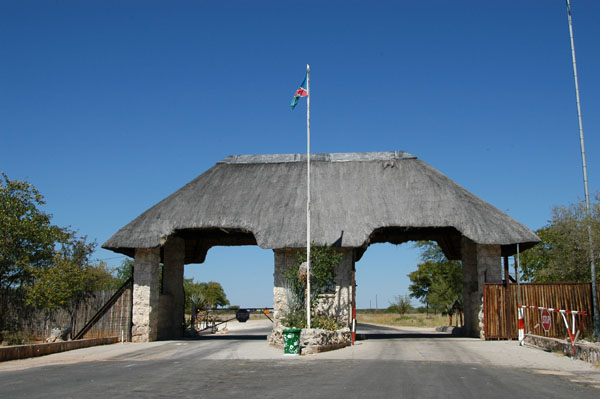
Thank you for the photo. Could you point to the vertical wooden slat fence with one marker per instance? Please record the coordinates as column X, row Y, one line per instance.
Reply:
column 116, row 322
column 500, row 308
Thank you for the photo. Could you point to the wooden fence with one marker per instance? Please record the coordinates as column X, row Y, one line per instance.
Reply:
column 116, row 322
column 500, row 308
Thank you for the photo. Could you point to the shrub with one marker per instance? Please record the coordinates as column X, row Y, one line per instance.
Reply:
column 294, row 319
column 325, row 323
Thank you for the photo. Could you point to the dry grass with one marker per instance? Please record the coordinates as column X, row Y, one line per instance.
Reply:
column 408, row 320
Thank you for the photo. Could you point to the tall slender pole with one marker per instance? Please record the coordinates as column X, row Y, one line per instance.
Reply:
column 517, row 267
column 585, row 180
column 308, row 196
column 519, row 308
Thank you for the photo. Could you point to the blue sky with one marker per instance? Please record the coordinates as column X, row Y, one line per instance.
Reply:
column 107, row 107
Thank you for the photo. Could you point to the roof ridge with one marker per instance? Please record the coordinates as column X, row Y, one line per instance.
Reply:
column 319, row 157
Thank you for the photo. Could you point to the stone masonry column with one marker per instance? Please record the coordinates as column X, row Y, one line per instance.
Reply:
column 480, row 264
column 170, row 325
column 284, row 259
column 338, row 304
column 145, row 295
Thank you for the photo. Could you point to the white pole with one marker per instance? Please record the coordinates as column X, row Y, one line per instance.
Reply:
column 517, row 277
column 596, row 317
column 308, row 196
column 520, row 309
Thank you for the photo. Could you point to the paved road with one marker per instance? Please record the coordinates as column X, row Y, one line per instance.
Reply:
column 227, row 366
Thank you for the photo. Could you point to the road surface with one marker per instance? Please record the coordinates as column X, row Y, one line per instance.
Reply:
column 411, row 363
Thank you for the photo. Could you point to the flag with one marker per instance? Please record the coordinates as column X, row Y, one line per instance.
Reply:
column 301, row 92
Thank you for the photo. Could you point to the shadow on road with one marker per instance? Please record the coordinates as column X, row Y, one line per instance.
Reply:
column 371, row 331
column 227, row 337
column 362, row 337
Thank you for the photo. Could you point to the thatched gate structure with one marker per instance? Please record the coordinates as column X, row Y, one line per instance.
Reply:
column 357, row 199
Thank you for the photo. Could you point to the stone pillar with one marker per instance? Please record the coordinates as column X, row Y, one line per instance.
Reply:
column 480, row 264
column 172, row 299
column 284, row 259
column 145, row 295
column 338, row 304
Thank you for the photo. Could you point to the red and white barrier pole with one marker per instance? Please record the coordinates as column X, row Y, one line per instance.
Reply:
column 572, row 330
column 521, row 327
column 353, row 324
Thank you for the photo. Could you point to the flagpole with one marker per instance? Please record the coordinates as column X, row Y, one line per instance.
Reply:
column 596, row 316
column 308, row 196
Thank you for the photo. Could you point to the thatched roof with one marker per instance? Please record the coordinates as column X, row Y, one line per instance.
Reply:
column 357, row 199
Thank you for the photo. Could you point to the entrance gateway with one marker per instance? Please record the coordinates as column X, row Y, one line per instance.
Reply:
column 357, row 199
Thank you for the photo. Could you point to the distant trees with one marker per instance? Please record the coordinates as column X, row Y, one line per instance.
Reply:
column 204, row 295
column 563, row 253
column 400, row 305
column 437, row 281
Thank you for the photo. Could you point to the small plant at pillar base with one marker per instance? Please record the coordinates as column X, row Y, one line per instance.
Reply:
column 323, row 262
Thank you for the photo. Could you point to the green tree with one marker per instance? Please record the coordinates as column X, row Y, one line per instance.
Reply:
column 204, row 295
column 437, row 281
column 421, row 281
column 401, row 304
column 124, row 271
column 214, row 295
column 68, row 281
column 563, row 253
column 27, row 239
column 102, row 276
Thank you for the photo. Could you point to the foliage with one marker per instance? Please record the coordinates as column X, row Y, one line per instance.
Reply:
column 124, row 271
column 437, row 281
column 294, row 319
column 563, row 253
column 401, row 304
column 69, row 280
column 324, row 322
column 41, row 265
column 27, row 237
column 323, row 262
column 204, row 295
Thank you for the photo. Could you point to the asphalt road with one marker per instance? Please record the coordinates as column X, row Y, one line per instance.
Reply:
column 239, row 365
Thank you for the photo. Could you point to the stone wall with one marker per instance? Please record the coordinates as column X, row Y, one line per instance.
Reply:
column 586, row 351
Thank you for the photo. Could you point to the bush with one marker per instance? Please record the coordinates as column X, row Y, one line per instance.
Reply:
column 15, row 338
column 325, row 323
column 294, row 319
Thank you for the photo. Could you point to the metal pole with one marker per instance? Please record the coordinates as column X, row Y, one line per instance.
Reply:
column 517, row 265
column 520, row 309
column 585, row 180
column 308, row 196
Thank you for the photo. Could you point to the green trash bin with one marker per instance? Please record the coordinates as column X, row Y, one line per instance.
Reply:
column 291, row 341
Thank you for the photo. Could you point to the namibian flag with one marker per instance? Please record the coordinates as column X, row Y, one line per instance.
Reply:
column 301, row 92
